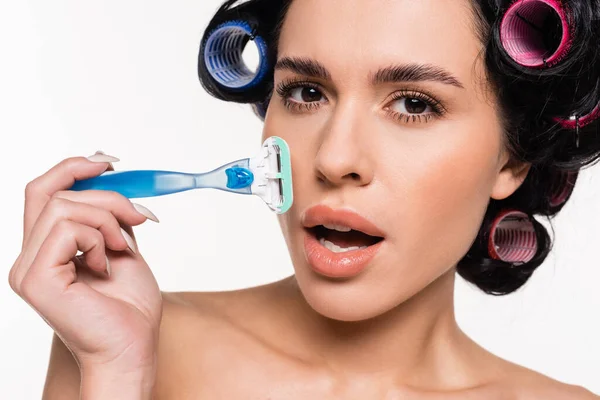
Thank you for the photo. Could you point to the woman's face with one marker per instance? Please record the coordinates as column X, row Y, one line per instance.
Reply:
column 416, row 148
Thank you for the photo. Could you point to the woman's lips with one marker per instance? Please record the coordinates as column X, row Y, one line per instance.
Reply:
column 322, row 215
column 337, row 265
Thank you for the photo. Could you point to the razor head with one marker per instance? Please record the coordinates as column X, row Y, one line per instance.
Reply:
column 272, row 170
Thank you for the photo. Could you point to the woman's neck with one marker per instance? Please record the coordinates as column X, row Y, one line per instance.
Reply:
column 418, row 342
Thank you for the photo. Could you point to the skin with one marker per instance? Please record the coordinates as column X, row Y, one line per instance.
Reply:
column 390, row 332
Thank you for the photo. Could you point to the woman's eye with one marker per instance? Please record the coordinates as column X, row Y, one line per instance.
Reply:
column 305, row 94
column 408, row 105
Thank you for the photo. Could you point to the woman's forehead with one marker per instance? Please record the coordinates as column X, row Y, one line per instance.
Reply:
column 363, row 35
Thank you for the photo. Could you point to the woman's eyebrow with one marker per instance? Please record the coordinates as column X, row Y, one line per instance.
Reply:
column 304, row 66
column 394, row 73
column 415, row 73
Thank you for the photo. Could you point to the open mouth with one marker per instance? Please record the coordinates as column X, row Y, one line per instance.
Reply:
column 341, row 239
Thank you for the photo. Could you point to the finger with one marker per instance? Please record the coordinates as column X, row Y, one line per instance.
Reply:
column 129, row 214
column 139, row 207
column 51, row 286
column 148, row 213
column 102, row 220
column 128, row 228
column 121, row 207
column 61, row 177
column 52, row 270
column 107, row 221
column 88, row 275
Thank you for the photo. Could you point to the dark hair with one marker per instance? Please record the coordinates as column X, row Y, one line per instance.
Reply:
column 530, row 100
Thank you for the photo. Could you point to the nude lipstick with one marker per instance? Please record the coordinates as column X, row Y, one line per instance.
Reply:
column 339, row 243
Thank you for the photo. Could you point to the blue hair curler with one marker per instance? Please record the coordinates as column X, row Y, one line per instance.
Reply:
column 222, row 54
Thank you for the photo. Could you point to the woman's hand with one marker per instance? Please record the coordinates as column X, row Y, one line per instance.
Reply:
column 105, row 305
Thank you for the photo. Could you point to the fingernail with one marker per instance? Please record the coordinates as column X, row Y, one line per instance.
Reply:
column 108, row 270
column 110, row 165
column 102, row 158
column 145, row 212
column 129, row 240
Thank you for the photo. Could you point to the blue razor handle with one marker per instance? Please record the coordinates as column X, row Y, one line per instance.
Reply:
column 151, row 183
column 268, row 175
column 239, row 178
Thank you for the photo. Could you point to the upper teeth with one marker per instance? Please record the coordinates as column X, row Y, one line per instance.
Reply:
column 339, row 228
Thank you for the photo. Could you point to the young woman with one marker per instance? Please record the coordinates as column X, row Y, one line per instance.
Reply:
column 421, row 132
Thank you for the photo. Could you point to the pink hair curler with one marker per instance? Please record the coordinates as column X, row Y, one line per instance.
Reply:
column 571, row 123
column 562, row 187
column 512, row 238
column 536, row 33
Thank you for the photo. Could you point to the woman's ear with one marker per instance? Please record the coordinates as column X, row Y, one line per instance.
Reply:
column 509, row 178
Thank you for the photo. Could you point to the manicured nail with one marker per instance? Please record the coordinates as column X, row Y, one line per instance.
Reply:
column 145, row 212
column 102, row 158
column 129, row 240
column 110, row 165
column 108, row 270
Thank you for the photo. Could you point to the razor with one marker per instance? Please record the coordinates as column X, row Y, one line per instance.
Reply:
column 267, row 175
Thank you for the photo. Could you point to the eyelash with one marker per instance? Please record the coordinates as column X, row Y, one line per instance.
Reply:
column 285, row 88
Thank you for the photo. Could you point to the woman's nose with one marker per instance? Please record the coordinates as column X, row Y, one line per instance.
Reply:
column 345, row 155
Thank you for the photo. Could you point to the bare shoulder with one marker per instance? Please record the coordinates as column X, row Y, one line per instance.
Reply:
column 205, row 332
column 218, row 306
column 201, row 316
column 532, row 385
column 551, row 389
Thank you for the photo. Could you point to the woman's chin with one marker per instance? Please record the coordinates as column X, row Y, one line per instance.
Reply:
column 340, row 309
column 349, row 302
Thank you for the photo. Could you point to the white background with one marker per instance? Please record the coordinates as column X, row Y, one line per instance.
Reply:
column 120, row 76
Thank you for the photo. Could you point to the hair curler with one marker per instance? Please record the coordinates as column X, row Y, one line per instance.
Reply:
column 512, row 237
column 536, row 33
